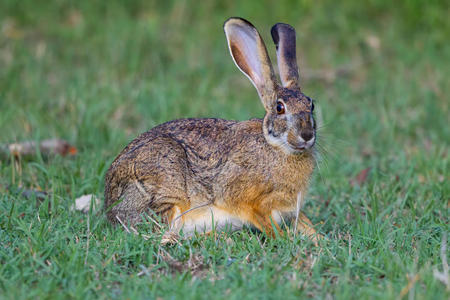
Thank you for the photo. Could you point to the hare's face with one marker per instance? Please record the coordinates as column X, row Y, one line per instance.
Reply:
column 289, row 124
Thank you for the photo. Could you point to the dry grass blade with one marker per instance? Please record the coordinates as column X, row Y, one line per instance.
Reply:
column 169, row 238
column 88, row 237
column 409, row 286
column 123, row 224
column 443, row 276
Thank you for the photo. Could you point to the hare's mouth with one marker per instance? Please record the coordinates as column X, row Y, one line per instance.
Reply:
column 302, row 145
column 296, row 148
column 291, row 149
column 288, row 147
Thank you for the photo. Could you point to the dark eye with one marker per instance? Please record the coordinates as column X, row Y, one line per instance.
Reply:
column 280, row 108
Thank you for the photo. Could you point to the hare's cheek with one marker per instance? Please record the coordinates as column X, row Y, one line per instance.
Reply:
column 279, row 127
column 292, row 138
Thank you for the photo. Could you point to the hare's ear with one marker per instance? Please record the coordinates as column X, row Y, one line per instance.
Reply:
column 283, row 36
column 250, row 55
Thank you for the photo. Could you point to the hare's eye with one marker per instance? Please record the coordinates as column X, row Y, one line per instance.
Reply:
column 280, row 108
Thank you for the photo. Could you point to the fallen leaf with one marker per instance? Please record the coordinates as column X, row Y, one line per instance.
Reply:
column 367, row 152
column 28, row 193
column 83, row 203
column 194, row 265
column 46, row 147
column 373, row 42
column 75, row 18
column 421, row 178
column 361, row 177
column 427, row 144
column 10, row 30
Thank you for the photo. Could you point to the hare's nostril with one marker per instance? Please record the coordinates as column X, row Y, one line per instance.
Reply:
column 307, row 135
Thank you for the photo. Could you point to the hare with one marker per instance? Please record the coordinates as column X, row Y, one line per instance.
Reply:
column 205, row 174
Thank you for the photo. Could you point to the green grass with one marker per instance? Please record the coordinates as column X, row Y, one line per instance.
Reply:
column 98, row 73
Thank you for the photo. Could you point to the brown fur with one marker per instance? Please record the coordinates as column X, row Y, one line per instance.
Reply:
column 231, row 166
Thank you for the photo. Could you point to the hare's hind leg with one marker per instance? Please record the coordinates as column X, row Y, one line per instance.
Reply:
column 136, row 201
column 148, row 178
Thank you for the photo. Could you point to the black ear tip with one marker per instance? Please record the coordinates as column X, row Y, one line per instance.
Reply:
column 274, row 33
column 237, row 19
column 286, row 31
column 283, row 28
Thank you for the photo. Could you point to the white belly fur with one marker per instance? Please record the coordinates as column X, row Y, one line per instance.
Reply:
column 206, row 219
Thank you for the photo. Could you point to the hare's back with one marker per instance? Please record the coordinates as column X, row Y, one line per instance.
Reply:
column 173, row 148
column 200, row 138
column 197, row 133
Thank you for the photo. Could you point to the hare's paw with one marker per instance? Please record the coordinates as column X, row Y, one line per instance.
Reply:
column 305, row 227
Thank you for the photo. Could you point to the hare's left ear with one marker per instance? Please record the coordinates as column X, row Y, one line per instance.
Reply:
column 250, row 56
column 283, row 36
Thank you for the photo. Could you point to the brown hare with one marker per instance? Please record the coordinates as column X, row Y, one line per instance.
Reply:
column 200, row 174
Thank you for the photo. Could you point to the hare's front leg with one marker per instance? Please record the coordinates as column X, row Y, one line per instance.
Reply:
column 300, row 224
column 304, row 226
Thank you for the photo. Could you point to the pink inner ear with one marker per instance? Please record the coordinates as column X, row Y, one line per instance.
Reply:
column 245, row 52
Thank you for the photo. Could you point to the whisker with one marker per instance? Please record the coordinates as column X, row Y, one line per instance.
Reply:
column 187, row 211
column 297, row 211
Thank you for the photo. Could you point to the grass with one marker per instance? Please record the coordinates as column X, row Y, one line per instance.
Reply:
column 99, row 73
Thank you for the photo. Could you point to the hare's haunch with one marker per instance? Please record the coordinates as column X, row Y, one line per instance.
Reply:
column 203, row 173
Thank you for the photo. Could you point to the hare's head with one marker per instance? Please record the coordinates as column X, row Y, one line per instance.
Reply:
column 289, row 122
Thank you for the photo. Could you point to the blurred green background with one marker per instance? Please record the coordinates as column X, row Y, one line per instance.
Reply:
column 98, row 73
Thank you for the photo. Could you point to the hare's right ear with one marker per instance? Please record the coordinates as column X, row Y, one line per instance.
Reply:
column 283, row 36
column 250, row 55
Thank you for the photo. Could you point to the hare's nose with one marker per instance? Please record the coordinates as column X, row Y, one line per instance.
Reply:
column 307, row 135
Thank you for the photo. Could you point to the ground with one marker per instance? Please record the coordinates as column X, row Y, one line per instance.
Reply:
column 98, row 73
